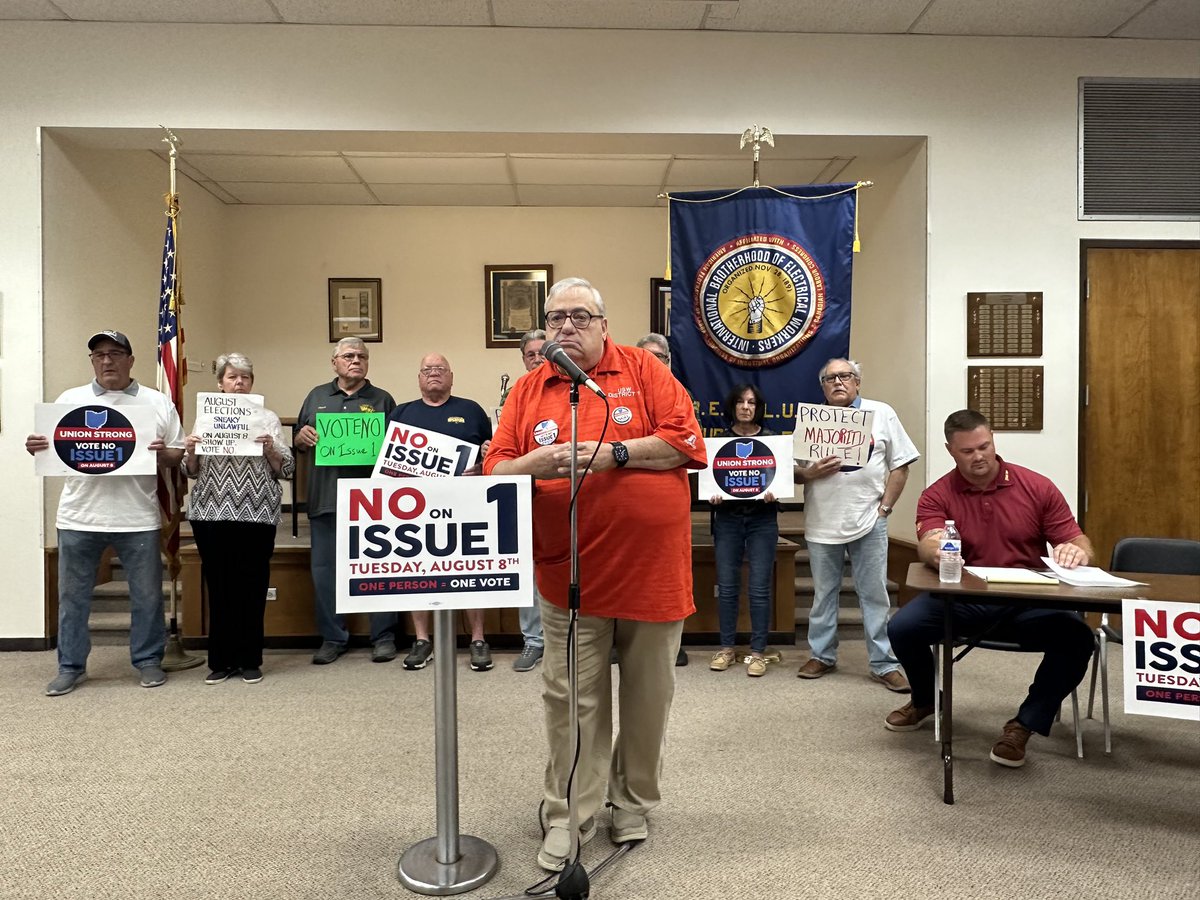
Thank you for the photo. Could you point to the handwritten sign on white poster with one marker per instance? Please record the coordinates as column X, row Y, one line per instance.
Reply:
column 841, row 431
column 229, row 424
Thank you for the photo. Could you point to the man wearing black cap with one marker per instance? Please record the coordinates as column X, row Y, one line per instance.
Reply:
column 118, row 511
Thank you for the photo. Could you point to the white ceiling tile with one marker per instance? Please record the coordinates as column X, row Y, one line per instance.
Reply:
column 1096, row 18
column 229, row 11
column 34, row 10
column 588, row 170
column 385, row 12
column 431, row 169
column 445, row 194
column 821, row 16
column 586, row 195
column 329, row 169
column 636, row 14
column 299, row 194
column 1175, row 20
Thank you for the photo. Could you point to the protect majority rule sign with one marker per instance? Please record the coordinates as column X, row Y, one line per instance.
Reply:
column 434, row 543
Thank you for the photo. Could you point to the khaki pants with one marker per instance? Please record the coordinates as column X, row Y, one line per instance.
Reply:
column 647, row 652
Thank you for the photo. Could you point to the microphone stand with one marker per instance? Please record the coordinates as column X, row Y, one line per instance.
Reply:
column 573, row 882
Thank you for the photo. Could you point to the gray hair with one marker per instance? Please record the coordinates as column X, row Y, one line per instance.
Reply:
column 853, row 364
column 536, row 335
column 570, row 284
column 655, row 338
column 355, row 342
column 235, row 361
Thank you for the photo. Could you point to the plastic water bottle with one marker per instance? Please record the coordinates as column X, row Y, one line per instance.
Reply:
column 950, row 569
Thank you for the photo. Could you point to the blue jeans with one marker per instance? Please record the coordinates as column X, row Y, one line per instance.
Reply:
column 530, row 618
column 868, row 566
column 752, row 537
column 1061, row 635
column 323, row 556
column 79, row 554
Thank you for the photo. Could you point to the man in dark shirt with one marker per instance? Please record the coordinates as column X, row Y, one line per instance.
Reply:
column 439, row 410
column 351, row 392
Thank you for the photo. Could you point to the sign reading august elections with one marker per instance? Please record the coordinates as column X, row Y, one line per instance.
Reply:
column 745, row 468
column 349, row 439
column 229, row 424
column 1162, row 661
column 434, row 543
column 409, row 451
column 92, row 439
column 841, row 431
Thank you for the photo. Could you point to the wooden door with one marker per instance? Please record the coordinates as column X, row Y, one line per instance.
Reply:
column 1140, row 439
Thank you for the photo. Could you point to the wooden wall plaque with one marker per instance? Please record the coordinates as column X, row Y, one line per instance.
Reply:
column 1004, row 324
column 1010, row 396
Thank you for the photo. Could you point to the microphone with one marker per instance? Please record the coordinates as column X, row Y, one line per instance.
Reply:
column 554, row 352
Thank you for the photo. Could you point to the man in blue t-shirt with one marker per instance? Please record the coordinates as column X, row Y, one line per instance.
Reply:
column 438, row 410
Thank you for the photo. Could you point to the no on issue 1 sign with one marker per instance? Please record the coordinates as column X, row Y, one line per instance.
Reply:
column 434, row 543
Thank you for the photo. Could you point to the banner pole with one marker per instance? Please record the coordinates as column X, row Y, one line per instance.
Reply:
column 448, row 863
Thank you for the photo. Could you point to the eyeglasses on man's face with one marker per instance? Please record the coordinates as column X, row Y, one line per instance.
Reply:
column 665, row 357
column 434, row 370
column 580, row 318
column 352, row 357
column 108, row 354
column 838, row 376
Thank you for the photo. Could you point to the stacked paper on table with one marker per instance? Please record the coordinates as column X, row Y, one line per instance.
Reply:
column 1003, row 575
column 1087, row 576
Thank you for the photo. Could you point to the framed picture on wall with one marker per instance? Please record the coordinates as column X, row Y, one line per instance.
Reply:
column 356, row 309
column 660, row 305
column 515, row 298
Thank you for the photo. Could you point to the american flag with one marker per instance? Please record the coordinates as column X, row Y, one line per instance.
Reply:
column 171, row 377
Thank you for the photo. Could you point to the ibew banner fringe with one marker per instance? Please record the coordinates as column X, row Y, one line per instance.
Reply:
column 760, row 293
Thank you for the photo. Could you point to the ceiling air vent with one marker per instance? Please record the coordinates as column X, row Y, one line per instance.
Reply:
column 1139, row 149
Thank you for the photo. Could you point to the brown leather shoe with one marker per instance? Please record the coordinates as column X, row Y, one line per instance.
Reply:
column 814, row 668
column 907, row 717
column 893, row 681
column 1010, row 749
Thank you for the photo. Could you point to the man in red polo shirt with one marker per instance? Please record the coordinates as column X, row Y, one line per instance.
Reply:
column 635, row 558
column 1006, row 515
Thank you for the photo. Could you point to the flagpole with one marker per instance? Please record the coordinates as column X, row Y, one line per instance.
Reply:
column 172, row 485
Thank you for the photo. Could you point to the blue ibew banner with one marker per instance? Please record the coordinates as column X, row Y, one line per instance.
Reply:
column 760, row 293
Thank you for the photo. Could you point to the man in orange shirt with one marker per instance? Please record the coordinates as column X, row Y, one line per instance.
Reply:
column 635, row 558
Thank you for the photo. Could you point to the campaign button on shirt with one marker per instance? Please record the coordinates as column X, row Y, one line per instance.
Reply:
column 621, row 415
column 545, row 432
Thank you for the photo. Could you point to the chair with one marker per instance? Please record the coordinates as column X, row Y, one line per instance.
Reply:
column 1005, row 646
column 1158, row 556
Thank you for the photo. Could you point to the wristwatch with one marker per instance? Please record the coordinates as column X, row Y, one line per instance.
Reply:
column 885, row 509
column 620, row 454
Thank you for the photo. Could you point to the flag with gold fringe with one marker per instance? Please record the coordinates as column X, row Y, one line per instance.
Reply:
column 760, row 293
column 172, row 374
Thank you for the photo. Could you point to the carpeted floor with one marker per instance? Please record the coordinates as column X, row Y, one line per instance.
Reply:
column 311, row 784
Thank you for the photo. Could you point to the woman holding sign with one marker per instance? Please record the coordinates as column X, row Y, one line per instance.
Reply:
column 744, row 529
column 237, row 456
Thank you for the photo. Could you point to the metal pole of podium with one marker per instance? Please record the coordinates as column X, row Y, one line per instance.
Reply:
column 449, row 863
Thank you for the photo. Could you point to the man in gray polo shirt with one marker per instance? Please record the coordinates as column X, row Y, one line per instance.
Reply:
column 350, row 392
